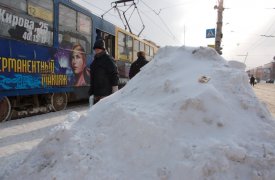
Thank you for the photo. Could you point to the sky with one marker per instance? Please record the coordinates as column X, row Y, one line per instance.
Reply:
column 198, row 119
column 184, row 22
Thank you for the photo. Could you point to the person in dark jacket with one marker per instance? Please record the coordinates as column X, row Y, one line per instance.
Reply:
column 104, row 73
column 252, row 80
column 139, row 63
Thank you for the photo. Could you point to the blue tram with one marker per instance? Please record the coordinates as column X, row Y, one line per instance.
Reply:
column 37, row 41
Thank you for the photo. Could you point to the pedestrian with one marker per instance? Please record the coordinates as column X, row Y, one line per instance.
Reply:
column 138, row 64
column 104, row 73
column 252, row 80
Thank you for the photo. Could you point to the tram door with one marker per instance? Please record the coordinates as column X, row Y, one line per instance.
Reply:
column 109, row 41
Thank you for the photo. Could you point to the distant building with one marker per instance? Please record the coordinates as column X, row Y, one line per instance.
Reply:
column 269, row 71
column 264, row 72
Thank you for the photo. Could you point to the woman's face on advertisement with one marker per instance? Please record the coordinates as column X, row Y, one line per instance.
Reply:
column 77, row 62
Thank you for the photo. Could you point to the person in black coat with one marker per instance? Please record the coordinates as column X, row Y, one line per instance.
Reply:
column 252, row 80
column 139, row 63
column 104, row 73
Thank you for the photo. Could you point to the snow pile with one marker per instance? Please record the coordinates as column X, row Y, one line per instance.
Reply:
column 188, row 115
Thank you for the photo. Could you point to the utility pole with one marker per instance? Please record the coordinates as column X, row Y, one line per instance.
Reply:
column 219, row 34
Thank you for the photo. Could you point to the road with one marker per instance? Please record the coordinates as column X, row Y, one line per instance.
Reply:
column 18, row 137
column 266, row 93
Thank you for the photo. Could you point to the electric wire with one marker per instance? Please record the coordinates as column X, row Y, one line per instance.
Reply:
column 158, row 26
column 259, row 40
column 177, row 5
column 164, row 23
column 97, row 8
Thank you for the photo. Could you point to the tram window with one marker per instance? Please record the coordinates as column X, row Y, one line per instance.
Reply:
column 121, row 46
column 141, row 46
column 109, row 43
column 41, row 9
column 136, row 45
column 136, row 49
column 7, row 29
column 121, row 39
column 43, row 30
column 147, row 50
column 74, row 28
column 67, row 18
column 125, row 44
column 130, row 47
column 108, row 39
column 151, row 54
column 17, row 4
column 30, row 24
column 84, row 23
column 151, row 51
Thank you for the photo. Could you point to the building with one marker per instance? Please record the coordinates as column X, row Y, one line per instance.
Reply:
column 264, row 72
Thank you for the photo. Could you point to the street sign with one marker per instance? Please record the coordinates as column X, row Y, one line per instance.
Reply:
column 210, row 33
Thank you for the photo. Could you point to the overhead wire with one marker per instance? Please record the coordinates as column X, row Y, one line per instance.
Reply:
column 260, row 38
column 164, row 23
column 100, row 15
column 176, row 5
column 97, row 8
column 270, row 27
column 133, row 28
column 160, row 27
column 93, row 5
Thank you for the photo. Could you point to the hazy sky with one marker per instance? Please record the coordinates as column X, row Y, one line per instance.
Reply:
column 248, row 26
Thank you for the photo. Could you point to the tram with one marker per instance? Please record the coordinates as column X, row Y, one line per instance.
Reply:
column 37, row 39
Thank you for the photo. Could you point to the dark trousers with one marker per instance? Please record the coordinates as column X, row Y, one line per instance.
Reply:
column 97, row 98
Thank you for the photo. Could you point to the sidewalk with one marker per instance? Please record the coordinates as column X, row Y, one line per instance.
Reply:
column 266, row 93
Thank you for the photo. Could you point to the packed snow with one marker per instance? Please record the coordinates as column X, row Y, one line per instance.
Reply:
column 189, row 114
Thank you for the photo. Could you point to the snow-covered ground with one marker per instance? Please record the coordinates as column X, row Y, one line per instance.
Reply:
column 266, row 93
column 18, row 137
column 189, row 114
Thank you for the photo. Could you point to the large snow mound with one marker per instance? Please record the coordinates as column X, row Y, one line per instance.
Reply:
column 166, row 123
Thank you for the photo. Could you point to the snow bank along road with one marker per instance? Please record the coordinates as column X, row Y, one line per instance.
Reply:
column 18, row 137
column 266, row 93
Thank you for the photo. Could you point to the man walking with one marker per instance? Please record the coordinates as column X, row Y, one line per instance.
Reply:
column 252, row 80
column 104, row 73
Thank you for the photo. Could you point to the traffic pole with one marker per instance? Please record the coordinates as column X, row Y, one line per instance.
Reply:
column 219, row 34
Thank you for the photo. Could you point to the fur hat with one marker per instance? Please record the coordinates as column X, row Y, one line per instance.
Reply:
column 99, row 44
